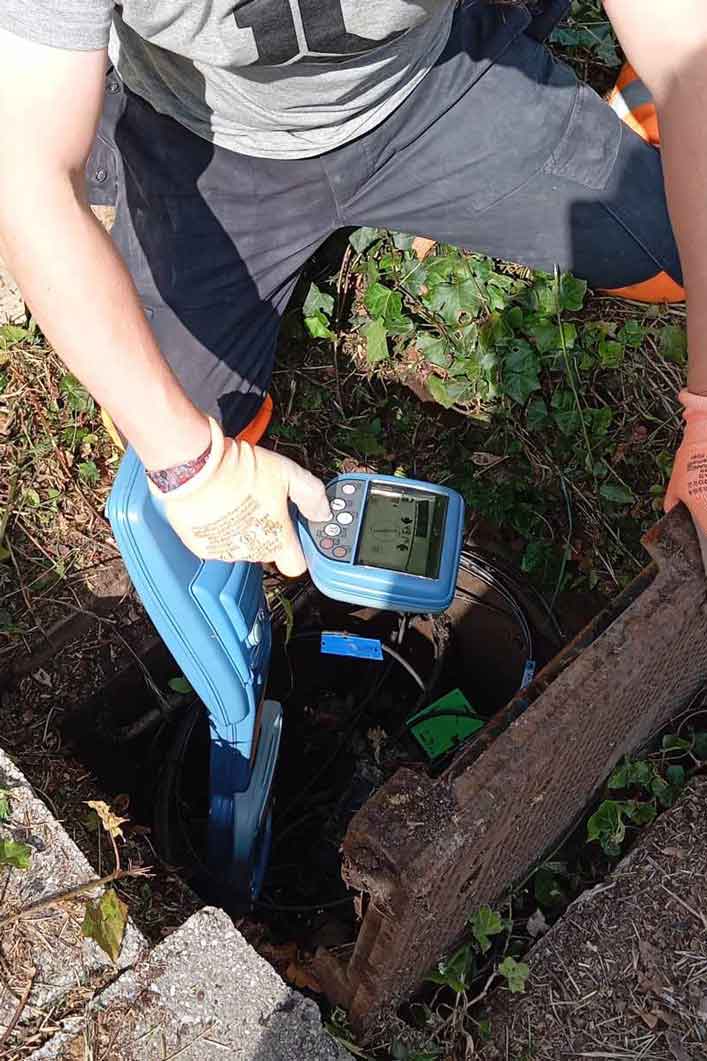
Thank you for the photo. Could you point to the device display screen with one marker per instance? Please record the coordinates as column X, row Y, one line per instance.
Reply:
column 403, row 530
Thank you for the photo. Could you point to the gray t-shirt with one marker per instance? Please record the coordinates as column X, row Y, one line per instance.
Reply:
column 272, row 78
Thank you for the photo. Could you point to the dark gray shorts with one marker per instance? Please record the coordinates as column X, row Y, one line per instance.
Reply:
column 499, row 150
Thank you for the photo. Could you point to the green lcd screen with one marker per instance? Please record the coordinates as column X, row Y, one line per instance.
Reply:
column 403, row 530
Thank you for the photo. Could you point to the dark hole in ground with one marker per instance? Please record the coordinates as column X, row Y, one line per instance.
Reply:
column 344, row 735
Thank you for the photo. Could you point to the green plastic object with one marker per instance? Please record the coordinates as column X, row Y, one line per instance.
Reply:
column 443, row 725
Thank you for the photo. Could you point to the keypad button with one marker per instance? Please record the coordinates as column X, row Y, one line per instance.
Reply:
column 332, row 530
column 348, row 488
column 340, row 552
column 337, row 504
column 344, row 518
column 326, row 543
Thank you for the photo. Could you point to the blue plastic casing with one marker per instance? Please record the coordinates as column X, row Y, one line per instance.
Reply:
column 214, row 620
column 344, row 578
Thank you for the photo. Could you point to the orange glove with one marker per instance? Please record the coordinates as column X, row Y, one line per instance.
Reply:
column 236, row 507
column 688, row 483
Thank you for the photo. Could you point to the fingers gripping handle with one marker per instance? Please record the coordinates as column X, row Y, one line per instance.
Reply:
column 236, row 507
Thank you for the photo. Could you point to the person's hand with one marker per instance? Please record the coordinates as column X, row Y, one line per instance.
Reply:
column 236, row 507
column 688, row 483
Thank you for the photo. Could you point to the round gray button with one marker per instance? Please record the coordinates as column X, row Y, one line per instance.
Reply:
column 332, row 530
column 337, row 504
column 344, row 518
column 348, row 488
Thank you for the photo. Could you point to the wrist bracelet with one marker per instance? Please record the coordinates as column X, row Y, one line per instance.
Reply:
column 170, row 478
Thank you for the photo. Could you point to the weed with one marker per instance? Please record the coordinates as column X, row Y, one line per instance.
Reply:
column 649, row 785
column 535, row 369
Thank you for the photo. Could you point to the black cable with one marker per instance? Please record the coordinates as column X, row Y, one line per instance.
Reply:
column 482, row 561
column 355, row 718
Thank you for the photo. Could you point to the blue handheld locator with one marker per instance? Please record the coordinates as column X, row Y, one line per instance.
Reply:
column 214, row 619
column 391, row 543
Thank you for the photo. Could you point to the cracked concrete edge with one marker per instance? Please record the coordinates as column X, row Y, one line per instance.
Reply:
column 48, row 948
column 203, row 993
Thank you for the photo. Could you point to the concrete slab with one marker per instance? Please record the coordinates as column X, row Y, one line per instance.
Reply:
column 46, row 949
column 202, row 994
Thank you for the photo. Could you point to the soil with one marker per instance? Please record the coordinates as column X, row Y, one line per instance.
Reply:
column 624, row 973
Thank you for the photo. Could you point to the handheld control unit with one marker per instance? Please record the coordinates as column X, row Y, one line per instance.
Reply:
column 391, row 543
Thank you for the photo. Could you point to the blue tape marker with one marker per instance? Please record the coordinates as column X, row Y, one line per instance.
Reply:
column 334, row 644
column 528, row 673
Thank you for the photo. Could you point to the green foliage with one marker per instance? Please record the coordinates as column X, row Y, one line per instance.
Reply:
column 547, row 887
column 105, row 921
column 180, row 685
column 75, row 394
column 15, row 854
column 12, row 335
column 484, row 924
column 89, row 473
column 375, row 333
column 608, row 823
column 317, row 310
column 366, row 438
column 515, row 974
column 587, row 30
column 653, row 784
column 456, row 972
column 5, row 804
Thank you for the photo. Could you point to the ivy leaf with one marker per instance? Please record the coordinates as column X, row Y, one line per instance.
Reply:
column 402, row 241
column 362, row 238
column 105, row 922
column 617, row 493
column 434, row 349
column 77, row 397
column 536, row 415
column 515, row 974
column 675, row 775
column 317, row 300
column 484, row 924
column 318, row 326
column 317, row 309
column 565, row 412
column 89, row 473
column 13, row 853
column 520, row 371
column 611, row 353
column 572, row 292
column 673, row 344
column 600, row 420
column 366, row 439
column 640, row 773
column 448, row 392
column 607, row 825
column 455, row 972
column 110, row 821
column 632, row 334
column 375, row 334
column 380, row 300
column 453, row 299
column 642, row 813
column 547, row 888
column 11, row 335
